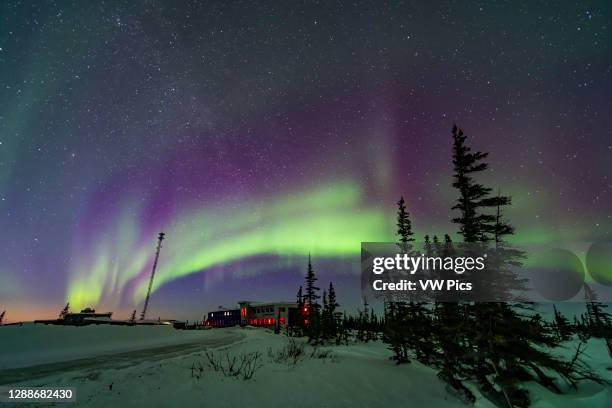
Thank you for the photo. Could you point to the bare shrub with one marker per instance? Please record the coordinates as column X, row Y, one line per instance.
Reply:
column 244, row 365
column 320, row 354
column 293, row 352
column 249, row 363
column 323, row 354
column 289, row 354
column 196, row 370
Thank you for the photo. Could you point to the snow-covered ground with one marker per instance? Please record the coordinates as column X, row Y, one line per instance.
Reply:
column 358, row 375
column 33, row 344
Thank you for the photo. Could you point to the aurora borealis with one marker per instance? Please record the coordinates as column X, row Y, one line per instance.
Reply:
column 255, row 133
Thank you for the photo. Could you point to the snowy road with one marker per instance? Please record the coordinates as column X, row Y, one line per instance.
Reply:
column 116, row 360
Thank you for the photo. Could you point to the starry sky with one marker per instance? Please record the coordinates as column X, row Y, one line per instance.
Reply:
column 255, row 133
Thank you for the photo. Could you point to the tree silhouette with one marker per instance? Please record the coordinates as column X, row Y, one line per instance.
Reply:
column 65, row 311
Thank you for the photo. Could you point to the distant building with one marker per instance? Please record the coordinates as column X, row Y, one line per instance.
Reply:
column 86, row 316
column 89, row 316
column 268, row 314
column 223, row 318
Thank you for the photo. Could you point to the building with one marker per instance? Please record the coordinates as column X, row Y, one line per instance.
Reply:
column 270, row 314
column 83, row 318
column 223, row 318
column 266, row 314
column 87, row 316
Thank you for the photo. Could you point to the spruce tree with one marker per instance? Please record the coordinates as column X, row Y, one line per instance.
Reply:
column 344, row 330
column 312, row 291
column 300, row 298
column 418, row 323
column 364, row 322
column 133, row 316
column 313, row 326
column 332, row 305
column 503, row 347
column 399, row 330
column 395, row 331
column 372, row 333
column 473, row 196
column 562, row 325
column 449, row 334
column 436, row 243
column 298, row 326
column 404, row 227
column 65, row 311
column 325, row 317
column 2, row 316
column 598, row 321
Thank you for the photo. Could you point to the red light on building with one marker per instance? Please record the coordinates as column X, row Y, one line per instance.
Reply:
column 283, row 320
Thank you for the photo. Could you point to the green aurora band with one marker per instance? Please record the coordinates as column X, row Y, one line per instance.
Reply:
column 326, row 222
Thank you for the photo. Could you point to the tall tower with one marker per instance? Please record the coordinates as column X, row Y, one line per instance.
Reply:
column 160, row 238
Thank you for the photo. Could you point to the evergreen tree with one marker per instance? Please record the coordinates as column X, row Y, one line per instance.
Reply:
column 449, row 333
column 420, row 332
column 598, row 321
column 404, row 227
column 312, row 291
column 436, row 243
column 362, row 333
column 399, row 330
column 473, row 196
column 394, row 332
column 581, row 328
column 65, row 311
column 562, row 325
column 313, row 324
column 133, row 316
column 333, row 315
column 325, row 317
column 298, row 326
column 503, row 348
column 325, row 308
column 300, row 298
column 344, row 330
column 372, row 333
column 2, row 316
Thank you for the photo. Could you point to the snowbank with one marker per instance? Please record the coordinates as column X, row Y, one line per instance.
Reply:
column 33, row 344
column 358, row 375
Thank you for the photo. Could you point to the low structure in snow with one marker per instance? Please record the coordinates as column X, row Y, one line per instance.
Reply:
column 87, row 316
column 84, row 317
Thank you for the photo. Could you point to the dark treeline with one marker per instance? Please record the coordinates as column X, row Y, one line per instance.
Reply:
column 498, row 346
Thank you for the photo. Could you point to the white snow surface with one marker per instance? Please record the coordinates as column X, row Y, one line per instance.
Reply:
column 32, row 344
column 357, row 375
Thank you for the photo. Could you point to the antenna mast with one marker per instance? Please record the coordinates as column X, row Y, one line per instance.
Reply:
column 160, row 238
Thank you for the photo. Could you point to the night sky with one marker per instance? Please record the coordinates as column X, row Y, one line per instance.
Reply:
column 256, row 133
